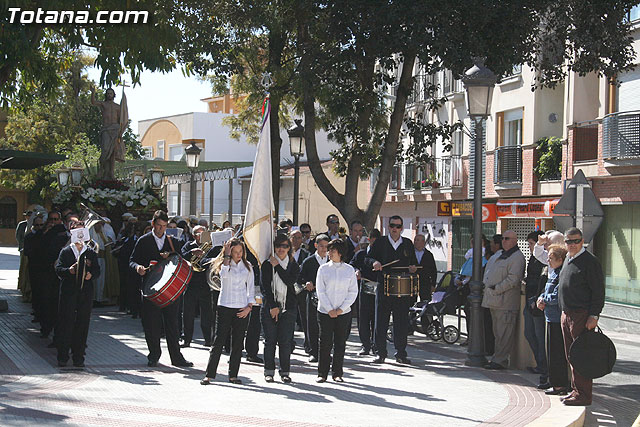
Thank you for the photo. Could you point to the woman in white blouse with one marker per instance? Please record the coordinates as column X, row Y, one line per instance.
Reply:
column 237, row 295
column 337, row 289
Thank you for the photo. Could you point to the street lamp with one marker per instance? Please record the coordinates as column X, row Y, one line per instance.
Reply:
column 137, row 179
column 76, row 175
column 192, row 156
column 63, row 177
column 479, row 82
column 296, row 145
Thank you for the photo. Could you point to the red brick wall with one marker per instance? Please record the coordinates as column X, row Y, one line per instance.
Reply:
column 617, row 190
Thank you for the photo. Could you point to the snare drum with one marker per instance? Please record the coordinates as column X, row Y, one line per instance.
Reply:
column 401, row 284
column 369, row 287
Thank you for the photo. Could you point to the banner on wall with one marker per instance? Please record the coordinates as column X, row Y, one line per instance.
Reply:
column 526, row 208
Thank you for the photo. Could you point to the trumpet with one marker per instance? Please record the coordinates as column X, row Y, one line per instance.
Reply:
column 197, row 260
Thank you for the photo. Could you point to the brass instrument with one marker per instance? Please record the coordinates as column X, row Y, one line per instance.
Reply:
column 205, row 247
column 213, row 280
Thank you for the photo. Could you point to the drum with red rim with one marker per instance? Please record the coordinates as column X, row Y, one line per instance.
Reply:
column 166, row 280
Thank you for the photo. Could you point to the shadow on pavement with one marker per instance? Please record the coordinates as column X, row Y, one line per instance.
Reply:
column 28, row 412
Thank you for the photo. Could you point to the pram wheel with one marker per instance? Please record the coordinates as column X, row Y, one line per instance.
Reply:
column 450, row 334
column 434, row 331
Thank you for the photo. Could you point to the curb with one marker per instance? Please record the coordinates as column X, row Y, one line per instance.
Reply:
column 560, row 415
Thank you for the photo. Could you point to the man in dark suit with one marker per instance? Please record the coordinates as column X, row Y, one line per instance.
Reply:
column 356, row 230
column 76, row 267
column 299, row 255
column 392, row 247
column 156, row 245
column 367, row 300
column 198, row 292
column 428, row 273
column 307, row 277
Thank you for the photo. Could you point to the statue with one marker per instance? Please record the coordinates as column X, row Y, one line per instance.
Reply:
column 115, row 119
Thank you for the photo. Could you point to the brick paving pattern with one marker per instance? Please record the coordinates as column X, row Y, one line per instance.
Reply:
column 117, row 388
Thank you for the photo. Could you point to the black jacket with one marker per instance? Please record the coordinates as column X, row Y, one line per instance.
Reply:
column 358, row 262
column 146, row 250
column 383, row 252
column 428, row 274
column 581, row 284
column 198, row 278
column 309, row 271
column 532, row 281
column 304, row 254
column 71, row 283
column 288, row 276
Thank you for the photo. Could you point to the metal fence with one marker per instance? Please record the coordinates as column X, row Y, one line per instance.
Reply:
column 508, row 165
column 621, row 135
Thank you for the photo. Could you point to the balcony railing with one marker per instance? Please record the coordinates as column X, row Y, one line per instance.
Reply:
column 508, row 165
column 439, row 172
column 447, row 171
column 585, row 141
column 621, row 135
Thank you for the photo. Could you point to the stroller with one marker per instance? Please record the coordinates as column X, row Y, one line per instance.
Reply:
column 427, row 317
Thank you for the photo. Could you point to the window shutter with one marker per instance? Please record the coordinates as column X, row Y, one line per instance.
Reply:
column 472, row 153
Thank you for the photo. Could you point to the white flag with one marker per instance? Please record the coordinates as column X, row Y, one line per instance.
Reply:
column 258, row 221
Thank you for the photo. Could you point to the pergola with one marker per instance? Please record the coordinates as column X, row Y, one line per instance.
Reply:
column 177, row 172
column 14, row 159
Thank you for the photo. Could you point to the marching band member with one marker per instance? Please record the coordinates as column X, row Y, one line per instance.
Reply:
column 400, row 250
column 237, row 295
column 156, row 246
column 299, row 255
column 337, row 289
column 307, row 276
column 278, row 314
column 76, row 267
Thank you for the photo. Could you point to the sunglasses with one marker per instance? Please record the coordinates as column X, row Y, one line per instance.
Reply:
column 334, row 221
column 573, row 241
column 395, row 225
column 282, row 246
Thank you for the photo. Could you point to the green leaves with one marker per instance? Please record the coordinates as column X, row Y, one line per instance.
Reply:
column 549, row 165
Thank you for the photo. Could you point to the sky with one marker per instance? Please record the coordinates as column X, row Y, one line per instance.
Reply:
column 160, row 95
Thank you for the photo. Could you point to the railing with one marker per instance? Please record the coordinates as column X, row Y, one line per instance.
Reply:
column 621, row 135
column 439, row 172
column 508, row 165
column 585, row 141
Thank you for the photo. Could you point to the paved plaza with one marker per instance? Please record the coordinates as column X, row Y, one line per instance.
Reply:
column 117, row 388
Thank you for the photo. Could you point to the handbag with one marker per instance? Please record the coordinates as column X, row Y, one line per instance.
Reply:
column 593, row 354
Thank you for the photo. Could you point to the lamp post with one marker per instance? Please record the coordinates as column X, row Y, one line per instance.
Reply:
column 192, row 155
column 479, row 82
column 296, row 145
column 76, row 173
column 63, row 177
column 156, row 178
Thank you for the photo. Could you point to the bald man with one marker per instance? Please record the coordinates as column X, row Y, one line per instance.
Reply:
column 502, row 276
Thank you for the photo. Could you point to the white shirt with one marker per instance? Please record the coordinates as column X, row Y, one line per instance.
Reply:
column 296, row 255
column 320, row 259
column 236, row 290
column 159, row 240
column 336, row 286
column 395, row 243
column 571, row 258
column 77, row 252
column 334, row 236
column 419, row 255
column 541, row 254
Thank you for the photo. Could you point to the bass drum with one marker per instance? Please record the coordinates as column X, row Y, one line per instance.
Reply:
column 166, row 280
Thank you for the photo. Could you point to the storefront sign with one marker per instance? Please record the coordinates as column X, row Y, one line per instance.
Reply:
column 465, row 209
column 444, row 208
column 526, row 208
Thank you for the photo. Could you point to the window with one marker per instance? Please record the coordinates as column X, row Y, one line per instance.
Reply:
column 516, row 70
column 160, row 149
column 634, row 13
column 456, row 143
column 395, row 177
column 8, row 212
column 148, row 153
column 173, row 203
column 176, row 152
column 510, row 128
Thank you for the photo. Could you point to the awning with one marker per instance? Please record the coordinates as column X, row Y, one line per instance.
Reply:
column 526, row 208
column 177, row 171
column 14, row 159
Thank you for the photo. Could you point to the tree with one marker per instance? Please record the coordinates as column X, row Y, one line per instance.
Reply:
column 351, row 51
column 63, row 123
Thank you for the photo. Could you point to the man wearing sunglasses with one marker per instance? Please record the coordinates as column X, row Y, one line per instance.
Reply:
column 333, row 225
column 399, row 250
column 581, row 298
column 503, row 275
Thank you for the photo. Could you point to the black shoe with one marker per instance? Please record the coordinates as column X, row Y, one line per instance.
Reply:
column 321, row 379
column 364, row 352
column 254, row 359
column 205, row 381
column 403, row 360
column 313, row 359
column 494, row 366
column 78, row 364
column 62, row 363
column 183, row 364
column 208, row 343
column 338, row 379
column 543, row 386
column 185, row 344
column 556, row 392
column 378, row 359
column 268, row 378
column 152, row 363
column 51, row 345
column 235, row 380
column 286, row 379
column 135, row 316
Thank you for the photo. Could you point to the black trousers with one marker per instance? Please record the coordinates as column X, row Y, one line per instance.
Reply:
column 253, row 332
column 558, row 373
column 302, row 312
column 36, row 279
column 333, row 335
column 124, row 297
column 73, row 327
column 49, row 300
column 489, row 338
column 312, row 326
column 229, row 324
column 367, row 320
column 153, row 319
column 385, row 306
column 197, row 295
